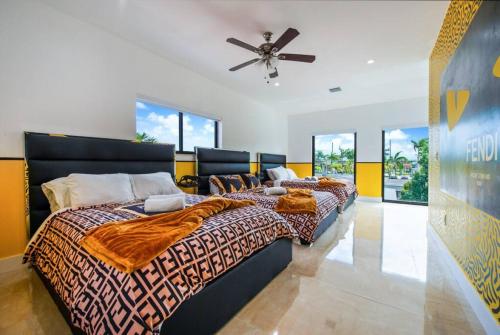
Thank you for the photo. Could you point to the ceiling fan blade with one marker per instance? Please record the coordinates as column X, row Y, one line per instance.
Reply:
column 242, row 44
column 237, row 67
column 297, row 57
column 284, row 39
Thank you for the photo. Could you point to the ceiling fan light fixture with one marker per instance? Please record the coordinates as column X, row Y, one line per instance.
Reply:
column 268, row 53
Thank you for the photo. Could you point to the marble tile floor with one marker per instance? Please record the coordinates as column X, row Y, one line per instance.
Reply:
column 375, row 271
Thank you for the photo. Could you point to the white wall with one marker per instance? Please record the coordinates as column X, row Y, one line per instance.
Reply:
column 62, row 75
column 367, row 121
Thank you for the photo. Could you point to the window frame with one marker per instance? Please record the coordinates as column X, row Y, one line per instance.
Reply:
column 180, row 112
column 403, row 202
column 355, row 133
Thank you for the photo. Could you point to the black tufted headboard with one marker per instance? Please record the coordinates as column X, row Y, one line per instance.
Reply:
column 269, row 161
column 52, row 156
column 219, row 162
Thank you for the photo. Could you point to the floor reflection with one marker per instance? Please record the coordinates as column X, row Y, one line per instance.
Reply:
column 373, row 272
column 344, row 251
column 404, row 241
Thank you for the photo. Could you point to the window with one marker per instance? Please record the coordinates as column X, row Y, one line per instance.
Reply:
column 405, row 167
column 335, row 155
column 198, row 131
column 161, row 124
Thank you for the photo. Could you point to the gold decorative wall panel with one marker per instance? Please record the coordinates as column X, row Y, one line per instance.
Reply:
column 472, row 236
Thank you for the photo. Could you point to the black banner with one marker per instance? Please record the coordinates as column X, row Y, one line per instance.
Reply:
column 470, row 115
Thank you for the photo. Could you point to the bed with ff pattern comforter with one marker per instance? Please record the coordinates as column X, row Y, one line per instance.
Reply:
column 103, row 300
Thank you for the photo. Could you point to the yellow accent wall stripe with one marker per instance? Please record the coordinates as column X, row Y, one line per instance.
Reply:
column 369, row 179
column 183, row 169
column 13, row 234
column 302, row 170
column 254, row 167
column 368, row 176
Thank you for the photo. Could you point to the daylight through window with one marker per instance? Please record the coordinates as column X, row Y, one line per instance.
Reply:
column 161, row 124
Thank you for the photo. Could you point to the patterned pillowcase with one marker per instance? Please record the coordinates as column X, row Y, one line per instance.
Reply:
column 228, row 184
column 251, row 181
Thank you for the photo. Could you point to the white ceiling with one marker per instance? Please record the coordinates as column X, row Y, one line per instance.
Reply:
column 342, row 35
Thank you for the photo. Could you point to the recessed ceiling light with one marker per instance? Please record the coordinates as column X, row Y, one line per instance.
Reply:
column 370, row 61
column 276, row 84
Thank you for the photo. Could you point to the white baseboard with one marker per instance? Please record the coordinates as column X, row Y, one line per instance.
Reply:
column 11, row 263
column 476, row 302
column 369, row 199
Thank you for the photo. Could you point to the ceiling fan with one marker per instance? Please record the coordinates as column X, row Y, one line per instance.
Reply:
column 268, row 52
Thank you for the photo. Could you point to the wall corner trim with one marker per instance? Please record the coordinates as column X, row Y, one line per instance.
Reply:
column 475, row 301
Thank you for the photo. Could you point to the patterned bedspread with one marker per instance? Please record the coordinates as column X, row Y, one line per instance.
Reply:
column 304, row 224
column 103, row 300
column 342, row 192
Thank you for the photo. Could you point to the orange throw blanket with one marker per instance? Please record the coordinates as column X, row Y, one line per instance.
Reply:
column 131, row 245
column 297, row 201
column 329, row 182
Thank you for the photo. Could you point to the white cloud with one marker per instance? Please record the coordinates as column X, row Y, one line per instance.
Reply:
column 397, row 134
column 186, row 125
column 406, row 149
column 203, row 138
column 209, row 128
column 165, row 129
column 140, row 105
column 169, row 123
column 324, row 142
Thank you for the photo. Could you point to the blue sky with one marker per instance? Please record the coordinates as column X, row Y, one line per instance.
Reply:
column 324, row 142
column 401, row 140
column 163, row 124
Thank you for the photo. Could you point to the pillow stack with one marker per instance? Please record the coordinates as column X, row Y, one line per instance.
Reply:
column 251, row 181
column 226, row 184
column 81, row 190
column 280, row 173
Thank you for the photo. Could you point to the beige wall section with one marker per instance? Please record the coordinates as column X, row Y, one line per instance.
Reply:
column 62, row 75
column 13, row 233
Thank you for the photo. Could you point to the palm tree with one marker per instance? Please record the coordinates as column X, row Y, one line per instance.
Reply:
column 396, row 162
column 144, row 137
column 420, row 147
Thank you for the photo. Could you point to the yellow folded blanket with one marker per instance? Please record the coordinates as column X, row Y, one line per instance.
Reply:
column 131, row 245
column 329, row 182
column 297, row 201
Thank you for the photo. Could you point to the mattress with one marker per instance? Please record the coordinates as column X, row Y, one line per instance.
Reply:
column 103, row 300
column 304, row 224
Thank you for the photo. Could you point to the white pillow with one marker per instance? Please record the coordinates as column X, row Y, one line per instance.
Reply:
column 144, row 185
column 280, row 173
column 291, row 174
column 96, row 189
column 57, row 193
column 271, row 175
